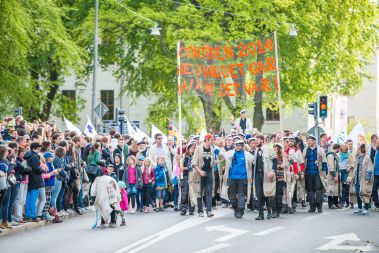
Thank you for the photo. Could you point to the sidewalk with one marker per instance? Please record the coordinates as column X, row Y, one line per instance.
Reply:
column 33, row 225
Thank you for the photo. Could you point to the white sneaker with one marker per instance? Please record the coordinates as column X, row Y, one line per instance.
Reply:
column 70, row 211
column 132, row 211
column 14, row 224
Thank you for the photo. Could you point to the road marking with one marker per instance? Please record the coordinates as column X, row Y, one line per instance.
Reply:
column 186, row 224
column 233, row 232
column 269, row 231
column 314, row 217
column 338, row 239
column 214, row 248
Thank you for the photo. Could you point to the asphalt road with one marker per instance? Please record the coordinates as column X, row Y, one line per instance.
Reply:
column 331, row 231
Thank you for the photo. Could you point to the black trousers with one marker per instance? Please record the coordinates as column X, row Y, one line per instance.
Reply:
column 259, row 192
column 375, row 191
column 73, row 191
column 277, row 204
column 237, row 192
column 185, row 202
column 216, row 188
column 206, row 187
column 313, row 185
column 146, row 198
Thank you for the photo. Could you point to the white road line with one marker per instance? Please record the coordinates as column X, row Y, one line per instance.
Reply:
column 214, row 248
column 186, row 224
column 314, row 216
column 269, row 231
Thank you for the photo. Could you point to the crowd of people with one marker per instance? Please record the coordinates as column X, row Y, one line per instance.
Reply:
column 46, row 173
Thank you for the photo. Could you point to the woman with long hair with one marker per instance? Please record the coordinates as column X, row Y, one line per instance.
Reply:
column 134, row 149
column 148, row 178
column 186, row 169
column 279, row 165
column 361, row 181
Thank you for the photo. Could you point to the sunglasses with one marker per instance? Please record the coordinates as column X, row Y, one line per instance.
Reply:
column 239, row 145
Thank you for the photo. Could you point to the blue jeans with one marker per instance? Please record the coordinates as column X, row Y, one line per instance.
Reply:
column 4, row 208
column 14, row 192
column 80, row 198
column 160, row 194
column 55, row 192
column 59, row 205
column 138, row 198
column 176, row 195
column 31, row 203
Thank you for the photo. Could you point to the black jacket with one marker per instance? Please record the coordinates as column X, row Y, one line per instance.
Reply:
column 35, row 176
column 20, row 173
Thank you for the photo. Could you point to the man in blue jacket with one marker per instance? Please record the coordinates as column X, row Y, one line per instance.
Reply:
column 239, row 174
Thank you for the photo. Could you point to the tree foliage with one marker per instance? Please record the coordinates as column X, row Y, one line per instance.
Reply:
column 37, row 52
column 336, row 39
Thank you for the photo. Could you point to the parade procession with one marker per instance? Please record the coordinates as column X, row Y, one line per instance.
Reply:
column 189, row 126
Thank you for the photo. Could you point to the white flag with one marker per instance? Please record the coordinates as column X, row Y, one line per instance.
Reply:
column 155, row 130
column 355, row 133
column 90, row 130
column 70, row 126
column 131, row 130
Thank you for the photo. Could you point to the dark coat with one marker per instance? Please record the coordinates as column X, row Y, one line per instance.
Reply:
column 35, row 175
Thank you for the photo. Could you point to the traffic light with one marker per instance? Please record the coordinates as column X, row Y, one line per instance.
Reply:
column 323, row 107
column 312, row 109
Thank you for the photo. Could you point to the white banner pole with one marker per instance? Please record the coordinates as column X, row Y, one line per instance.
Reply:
column 179, row 108
column 279, row 91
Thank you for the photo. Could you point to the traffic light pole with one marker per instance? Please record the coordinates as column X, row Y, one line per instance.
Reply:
column 315, row 117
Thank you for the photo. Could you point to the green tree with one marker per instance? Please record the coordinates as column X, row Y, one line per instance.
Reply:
column 336, row 39
column 39, row 52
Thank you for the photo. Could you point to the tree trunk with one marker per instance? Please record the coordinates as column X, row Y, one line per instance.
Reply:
column 258, row 118
column 212, row 109
column 53, row 79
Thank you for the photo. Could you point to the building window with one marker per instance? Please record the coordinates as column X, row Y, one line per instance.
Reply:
column 107, row 97
column 71, row 94
column 135, row 124
column 272, row 114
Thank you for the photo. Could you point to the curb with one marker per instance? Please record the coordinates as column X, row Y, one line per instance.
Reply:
column 33, row 225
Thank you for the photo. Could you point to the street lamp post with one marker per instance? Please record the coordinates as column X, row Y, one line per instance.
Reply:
column 94, row 70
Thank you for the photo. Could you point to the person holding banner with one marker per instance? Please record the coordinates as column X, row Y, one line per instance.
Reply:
column 243, row 123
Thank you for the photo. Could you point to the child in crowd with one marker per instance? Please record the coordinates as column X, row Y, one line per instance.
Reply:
column 49, row 178
column 160, row 183
column 132, row 176
column 111, row 173
column 118, row 166
column 148, row 177
column 124, row 201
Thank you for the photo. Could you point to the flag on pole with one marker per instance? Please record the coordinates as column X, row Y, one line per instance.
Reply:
column 131, row 130
column 172, row 131
column 70, row 126
column 355, row 133
column 155, row 130
column 89, row 129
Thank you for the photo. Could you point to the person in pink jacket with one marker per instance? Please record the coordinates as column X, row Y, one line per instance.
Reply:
column 124, row 201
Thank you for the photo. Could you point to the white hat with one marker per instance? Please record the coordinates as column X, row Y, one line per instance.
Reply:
column 243, row 111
